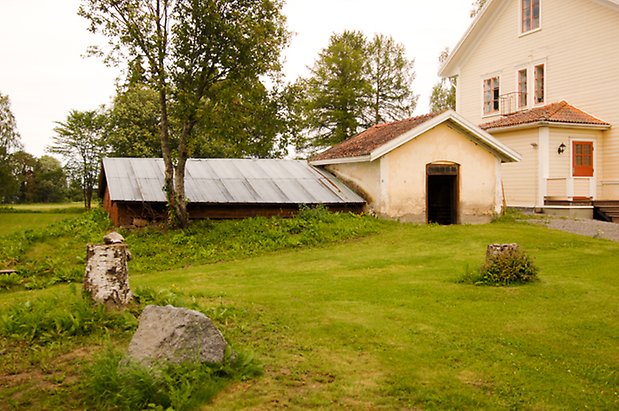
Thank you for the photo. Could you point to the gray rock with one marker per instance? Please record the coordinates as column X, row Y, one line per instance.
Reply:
column 176, row 335
column 113, row 238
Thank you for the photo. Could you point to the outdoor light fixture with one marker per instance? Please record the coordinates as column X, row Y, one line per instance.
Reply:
column 561, row 149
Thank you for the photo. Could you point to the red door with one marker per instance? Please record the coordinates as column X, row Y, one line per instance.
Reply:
column 582, row 158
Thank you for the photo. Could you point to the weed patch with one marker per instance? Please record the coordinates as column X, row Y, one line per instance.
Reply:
column 113, row 383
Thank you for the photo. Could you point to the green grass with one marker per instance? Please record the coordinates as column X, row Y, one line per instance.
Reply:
column 381, row 322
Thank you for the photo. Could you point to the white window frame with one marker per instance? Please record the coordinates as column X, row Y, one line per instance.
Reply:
column 530, row 69
column 526, row 91
column 544, row 90
column 483, row 95
column 521, row 31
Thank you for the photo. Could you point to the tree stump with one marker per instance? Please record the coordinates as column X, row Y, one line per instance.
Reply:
column 494, row 250
column 106, row 278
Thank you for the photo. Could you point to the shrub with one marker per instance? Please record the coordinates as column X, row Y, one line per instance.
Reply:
column 114, row 383
column 49, row 319
column 512, row 266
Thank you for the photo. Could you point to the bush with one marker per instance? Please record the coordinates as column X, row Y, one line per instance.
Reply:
column 114, row 383
column 510, row 267
column 513, row 266
column 53, row 318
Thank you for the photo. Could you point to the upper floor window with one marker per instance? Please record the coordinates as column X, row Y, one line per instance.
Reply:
column 530, row 15
column 522, row 88
column 491, row 95
column 539, row 84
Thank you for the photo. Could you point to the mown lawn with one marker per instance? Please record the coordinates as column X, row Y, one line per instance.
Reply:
column 380, row 322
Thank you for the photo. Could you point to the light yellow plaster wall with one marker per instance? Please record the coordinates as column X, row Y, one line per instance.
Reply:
column 363, row 178
column 577, row 44
column 405, row 169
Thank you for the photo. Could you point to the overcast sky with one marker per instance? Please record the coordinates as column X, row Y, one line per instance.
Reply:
column 43, row 41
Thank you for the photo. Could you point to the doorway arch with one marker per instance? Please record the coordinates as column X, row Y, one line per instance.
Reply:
column 442, row 194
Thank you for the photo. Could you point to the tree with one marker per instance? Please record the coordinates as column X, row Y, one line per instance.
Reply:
column 477, row 6
column 80, row 141
column 189, row 46
column 444, row 92
column 391, row 75
column 133, row 123
column 355, row 84
column 9, row 141
column 241, row 119
column 49, row 181
column 338, row 90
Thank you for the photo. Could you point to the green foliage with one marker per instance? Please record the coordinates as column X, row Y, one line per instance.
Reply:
column 114, row 383
column 354, row 84
column 443, row 95
column 188, row 47
column 212, row 241
column 80, row 140
column 510, row 267
column 513, row 266
column 65, row 261
column 46, row 320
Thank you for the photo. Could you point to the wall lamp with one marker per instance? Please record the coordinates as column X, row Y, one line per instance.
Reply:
column 561, row 149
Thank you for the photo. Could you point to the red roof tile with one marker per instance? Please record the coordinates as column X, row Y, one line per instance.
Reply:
column 369, row 140
column 561, row 112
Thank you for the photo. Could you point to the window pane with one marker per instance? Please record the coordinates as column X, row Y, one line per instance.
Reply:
column 578, row 148
column 535, row 12
column 586, row 149
column 526, row 15
column 586, row 161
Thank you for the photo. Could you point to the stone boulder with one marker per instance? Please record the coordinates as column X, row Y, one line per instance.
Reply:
column 176, row 335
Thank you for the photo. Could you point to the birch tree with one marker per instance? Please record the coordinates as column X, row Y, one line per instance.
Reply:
column 187, row 47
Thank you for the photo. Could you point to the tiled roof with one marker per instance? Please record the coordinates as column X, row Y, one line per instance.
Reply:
column 367, row 141
column 561, row 112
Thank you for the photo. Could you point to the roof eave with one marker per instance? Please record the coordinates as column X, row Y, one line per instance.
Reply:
column 536, row 124
column 340, row 160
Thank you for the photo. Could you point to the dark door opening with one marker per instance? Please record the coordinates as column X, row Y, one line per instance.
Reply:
column 442, row 201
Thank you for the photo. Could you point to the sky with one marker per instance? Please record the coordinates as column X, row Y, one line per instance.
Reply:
column 45, row 73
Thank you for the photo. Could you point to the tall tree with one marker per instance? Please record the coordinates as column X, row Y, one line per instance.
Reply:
column 391, row 75
column 80, row 140
column 188, row 46
column 355, row 84
column 444, row 92
column 338, row 89
column 242, row 119
column 9, row 142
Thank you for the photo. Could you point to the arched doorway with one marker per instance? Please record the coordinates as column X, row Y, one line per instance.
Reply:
column 442, row 195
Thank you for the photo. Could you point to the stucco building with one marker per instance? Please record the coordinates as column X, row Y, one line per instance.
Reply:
column 434, row 168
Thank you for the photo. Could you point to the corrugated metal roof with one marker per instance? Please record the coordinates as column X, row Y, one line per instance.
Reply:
column 235, row 181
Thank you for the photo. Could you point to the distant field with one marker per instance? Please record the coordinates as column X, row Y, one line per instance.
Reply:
column 13, row 222
column 40, row 207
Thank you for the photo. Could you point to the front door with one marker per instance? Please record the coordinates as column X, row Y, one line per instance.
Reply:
column 442, row 193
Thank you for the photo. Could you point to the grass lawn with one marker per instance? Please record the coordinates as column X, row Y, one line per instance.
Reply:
column 381, row 323
column 18, row 217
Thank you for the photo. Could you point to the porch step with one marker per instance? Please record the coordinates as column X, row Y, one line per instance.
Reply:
column 606, row 210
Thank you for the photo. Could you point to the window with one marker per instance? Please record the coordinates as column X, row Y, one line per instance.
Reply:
column 582, row 158
column 522, row 88
column 530, row 15
column 539, row 84
column 491, row 95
